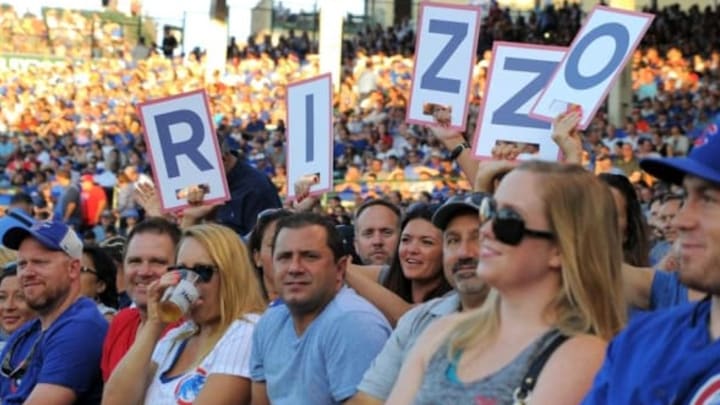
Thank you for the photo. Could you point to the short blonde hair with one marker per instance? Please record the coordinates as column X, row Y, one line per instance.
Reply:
column 582, row 214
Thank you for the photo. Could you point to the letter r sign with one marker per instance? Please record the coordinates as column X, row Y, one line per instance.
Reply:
column 183, row 148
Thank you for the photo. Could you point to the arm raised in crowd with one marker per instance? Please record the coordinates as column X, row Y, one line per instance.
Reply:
column 453, row 139
column 364, row 280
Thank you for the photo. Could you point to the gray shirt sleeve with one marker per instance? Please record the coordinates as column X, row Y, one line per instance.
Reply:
column 379, row 379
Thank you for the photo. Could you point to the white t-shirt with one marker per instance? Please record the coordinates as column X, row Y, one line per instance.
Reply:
column 230, row 356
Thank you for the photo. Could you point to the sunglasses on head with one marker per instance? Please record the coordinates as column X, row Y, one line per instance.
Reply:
column 204, row 271
column 475, row 198
column 507, row 225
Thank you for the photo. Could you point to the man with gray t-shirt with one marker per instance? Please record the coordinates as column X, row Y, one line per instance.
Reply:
column 458, row 218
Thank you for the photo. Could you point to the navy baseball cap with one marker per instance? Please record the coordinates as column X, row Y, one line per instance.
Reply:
column 53, row 235
column 703, row 162
column 456, row 204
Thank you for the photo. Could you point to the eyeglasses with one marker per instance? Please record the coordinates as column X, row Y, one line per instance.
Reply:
column 507, row 225
column 6, row 370
column 204, row 271
column 84, row 269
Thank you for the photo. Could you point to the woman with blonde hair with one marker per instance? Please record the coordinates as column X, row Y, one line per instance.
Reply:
column 550, row 248
column 206, row 359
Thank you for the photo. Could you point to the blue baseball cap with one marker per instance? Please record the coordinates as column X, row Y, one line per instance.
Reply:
column 703, row 162
column 53, row 235
column 15, row 217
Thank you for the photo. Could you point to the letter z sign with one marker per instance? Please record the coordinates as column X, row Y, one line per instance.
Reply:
column 517, row 75
column 183, row 148
column 445, row 55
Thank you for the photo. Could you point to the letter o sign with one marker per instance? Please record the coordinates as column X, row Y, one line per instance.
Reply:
column 619, row 34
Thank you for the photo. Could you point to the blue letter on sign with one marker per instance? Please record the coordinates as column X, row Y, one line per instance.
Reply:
column 430, row 79
column 189, row 148
column 309, row 127
column 622, row 41
column 507, row 113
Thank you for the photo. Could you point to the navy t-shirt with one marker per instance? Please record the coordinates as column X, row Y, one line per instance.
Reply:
column 66, row 354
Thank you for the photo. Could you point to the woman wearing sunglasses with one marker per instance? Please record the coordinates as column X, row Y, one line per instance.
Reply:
column 551, row 250
column 206, row 359
column 14, row 311
column 97, row 280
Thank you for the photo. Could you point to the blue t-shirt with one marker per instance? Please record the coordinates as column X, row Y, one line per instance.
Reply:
column 325, row 364
column 664, row 357
column 66, row 354
column 667, row 291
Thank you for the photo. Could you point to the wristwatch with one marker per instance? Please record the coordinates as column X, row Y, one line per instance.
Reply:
column 458, row 150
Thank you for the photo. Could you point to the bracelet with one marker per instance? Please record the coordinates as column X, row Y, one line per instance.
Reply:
column 458, row 150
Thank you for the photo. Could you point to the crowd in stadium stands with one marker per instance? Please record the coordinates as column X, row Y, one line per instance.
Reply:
column 320, row 299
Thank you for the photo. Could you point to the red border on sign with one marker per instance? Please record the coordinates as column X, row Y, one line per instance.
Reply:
column 150, row 153
column 481, row 112
column 328, row 77
column 473, row 60
column 617, row 73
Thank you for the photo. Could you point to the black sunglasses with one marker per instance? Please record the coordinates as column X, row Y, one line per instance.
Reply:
column 507, row 225
column 17, row 373
column 204, row 271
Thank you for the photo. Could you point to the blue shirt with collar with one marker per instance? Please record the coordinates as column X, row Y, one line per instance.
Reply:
column 66, row 354
column 665, row 357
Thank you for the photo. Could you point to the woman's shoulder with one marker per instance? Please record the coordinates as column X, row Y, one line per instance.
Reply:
column 579, row 349
column 241, row 328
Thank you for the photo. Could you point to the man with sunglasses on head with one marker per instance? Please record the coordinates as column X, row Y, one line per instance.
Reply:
column 150, row 249
column 316, row 347
column 459, row 221
column 673, row 356
column 54, row 359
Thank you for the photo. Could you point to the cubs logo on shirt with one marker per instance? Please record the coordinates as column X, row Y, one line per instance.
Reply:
column 709, row 393
column 188, row 387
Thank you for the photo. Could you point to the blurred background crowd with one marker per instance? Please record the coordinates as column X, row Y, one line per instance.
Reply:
column 72, row 121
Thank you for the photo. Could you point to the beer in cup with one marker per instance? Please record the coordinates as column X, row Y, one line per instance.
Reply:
column 176, row 300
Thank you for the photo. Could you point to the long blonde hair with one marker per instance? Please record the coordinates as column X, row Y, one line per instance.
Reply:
column 240, row 292
column 582, row 216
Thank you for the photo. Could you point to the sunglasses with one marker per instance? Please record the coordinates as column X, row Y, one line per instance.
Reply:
column 204, row 271
column 507, row 225
column 17, row 373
